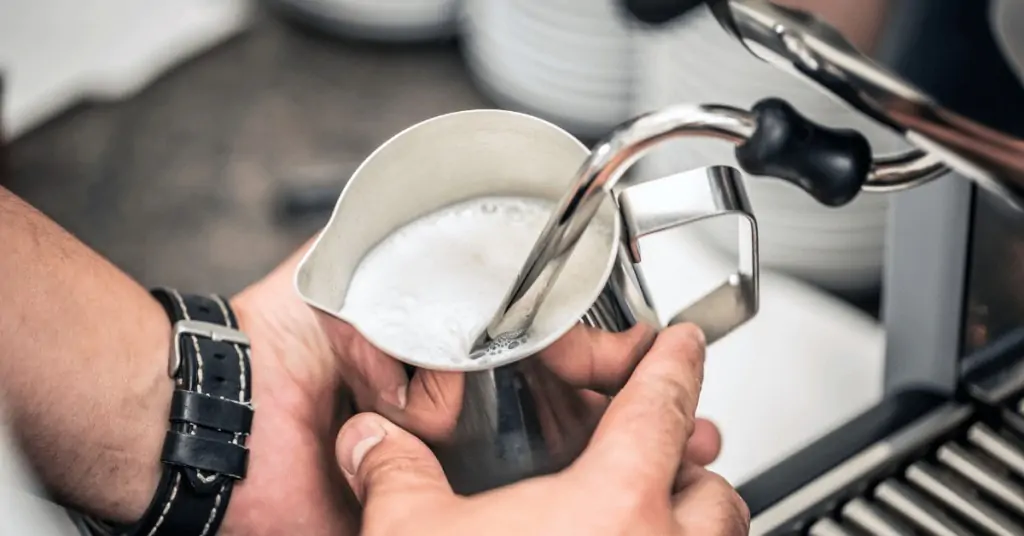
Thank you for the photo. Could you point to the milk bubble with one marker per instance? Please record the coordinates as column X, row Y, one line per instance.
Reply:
column 428, row 290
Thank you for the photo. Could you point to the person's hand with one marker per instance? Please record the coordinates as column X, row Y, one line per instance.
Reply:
column 571, row 380
column 633, row 477
column 306, row 364
column 293, row 485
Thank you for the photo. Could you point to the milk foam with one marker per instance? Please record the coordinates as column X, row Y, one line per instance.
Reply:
column 429, row 289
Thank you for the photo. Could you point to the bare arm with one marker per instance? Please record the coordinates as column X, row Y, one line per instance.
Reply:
column 83, row 358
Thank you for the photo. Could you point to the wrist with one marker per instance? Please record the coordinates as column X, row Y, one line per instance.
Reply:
column 292, row 381
column 205, row 427
column 152, row 394
column 105, row 458
column 238, row 514
column 288, row 330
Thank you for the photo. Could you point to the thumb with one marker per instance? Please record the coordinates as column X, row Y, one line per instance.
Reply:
column 386, row 465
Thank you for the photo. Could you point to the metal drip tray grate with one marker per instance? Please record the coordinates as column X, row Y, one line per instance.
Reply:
column 967, row 478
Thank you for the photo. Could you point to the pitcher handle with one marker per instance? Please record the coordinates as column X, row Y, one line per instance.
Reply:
column 653, row 206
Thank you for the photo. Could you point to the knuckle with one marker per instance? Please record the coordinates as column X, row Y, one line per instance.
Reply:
column 714, row 505
column 379, row 468
column 685, row 344
column 735, row 512
column 719, row 486
column 434, row 417
column 742, row 516
column 690, row 352
column 682, row 358
column 677, row 396
column 437, row 395
column 438, row 428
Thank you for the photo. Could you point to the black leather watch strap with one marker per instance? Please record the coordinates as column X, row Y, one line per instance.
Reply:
column 211, row 415
column 210, row 411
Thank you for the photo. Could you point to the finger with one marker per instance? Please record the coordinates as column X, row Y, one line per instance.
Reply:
column 591, row 358
column 377, row 380
column 387, row 467
column 644, row 433
column 707, row 504
column 566, row 415
column 434, row 404
column 705, row 444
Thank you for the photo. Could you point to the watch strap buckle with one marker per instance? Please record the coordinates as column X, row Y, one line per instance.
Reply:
column 199, row 328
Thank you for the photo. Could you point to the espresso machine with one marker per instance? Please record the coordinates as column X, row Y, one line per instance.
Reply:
column 943, row 452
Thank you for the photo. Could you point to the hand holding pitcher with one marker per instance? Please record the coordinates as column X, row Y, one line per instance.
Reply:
column 630, row 479
column 428, row 236
column 571, row 382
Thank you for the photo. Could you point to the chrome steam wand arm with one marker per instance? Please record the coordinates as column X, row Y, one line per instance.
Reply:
column 607, row 162
column 831, row 165
column 798, row 42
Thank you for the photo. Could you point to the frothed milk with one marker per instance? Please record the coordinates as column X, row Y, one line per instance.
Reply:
column 428, row 289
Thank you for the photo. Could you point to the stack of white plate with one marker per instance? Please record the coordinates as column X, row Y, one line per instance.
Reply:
column 1007, row 17
column 381, row 20
column 567, row 61
column 695, row 61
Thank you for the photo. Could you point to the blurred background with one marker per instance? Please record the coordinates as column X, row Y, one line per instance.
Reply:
column 197, row 143
column 144, row 125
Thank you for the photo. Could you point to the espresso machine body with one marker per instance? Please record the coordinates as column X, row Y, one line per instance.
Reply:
column 943, row 452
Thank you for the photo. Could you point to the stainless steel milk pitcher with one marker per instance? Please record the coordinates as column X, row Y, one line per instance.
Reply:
column 522, row 416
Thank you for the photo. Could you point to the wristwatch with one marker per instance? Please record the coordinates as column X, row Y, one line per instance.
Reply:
column 204, row 451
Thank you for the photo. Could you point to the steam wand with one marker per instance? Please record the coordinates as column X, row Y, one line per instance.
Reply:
column 831, row 165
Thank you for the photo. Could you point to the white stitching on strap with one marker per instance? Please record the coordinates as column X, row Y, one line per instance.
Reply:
column 241, row 373
column 199, row 375
column 195, row 344
column 205, row 479
column 213, row 513
column 241, row 359
column 192, row 430
column 223, row 310
column 167, row 506
column 181, row 304
column 241, row 381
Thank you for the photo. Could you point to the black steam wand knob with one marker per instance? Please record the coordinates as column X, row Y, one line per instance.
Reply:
column 657, row 12
column 830, row 164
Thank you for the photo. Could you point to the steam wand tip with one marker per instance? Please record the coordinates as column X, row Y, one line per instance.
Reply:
column 481, row 345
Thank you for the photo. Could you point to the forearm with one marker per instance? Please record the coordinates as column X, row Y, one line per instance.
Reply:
column 83, row 358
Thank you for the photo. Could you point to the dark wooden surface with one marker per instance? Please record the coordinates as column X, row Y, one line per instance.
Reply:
column 178, row 184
